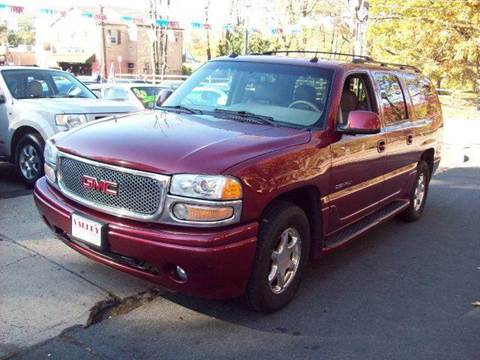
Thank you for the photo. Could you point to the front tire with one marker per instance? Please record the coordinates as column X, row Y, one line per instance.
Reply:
column 418, row 194
column 29, row 158
column 282, row 254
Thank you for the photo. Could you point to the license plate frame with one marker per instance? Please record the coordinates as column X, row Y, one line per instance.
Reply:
column 93, row 233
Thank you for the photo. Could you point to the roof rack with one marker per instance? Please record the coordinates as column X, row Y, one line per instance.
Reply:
column 355, row 58
column 385, row 64
column 287, row 52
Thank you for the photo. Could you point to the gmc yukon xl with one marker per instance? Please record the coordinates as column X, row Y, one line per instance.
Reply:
column 253, row 166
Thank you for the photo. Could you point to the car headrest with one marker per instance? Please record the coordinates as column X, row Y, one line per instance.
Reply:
column 34, row 89
column 349, row 101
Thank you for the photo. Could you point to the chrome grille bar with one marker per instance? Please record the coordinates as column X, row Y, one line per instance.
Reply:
column 140, row 196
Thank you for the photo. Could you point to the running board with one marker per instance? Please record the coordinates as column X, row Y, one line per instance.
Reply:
column 362, row 226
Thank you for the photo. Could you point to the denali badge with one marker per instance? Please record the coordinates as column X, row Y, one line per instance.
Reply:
column 104, row 186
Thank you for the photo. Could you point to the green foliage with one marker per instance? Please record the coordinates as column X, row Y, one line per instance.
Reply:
column 25, row 35
column 186, row 70
column 440, row 37
column 233, row 42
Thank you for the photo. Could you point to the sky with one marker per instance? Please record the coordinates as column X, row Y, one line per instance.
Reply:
column 183, row 10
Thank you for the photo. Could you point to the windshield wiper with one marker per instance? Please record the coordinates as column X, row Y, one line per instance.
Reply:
column 181, row 108
column 260, row 119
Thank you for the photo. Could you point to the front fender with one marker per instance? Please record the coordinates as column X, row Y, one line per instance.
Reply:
column 39, row 121
column 270, row 176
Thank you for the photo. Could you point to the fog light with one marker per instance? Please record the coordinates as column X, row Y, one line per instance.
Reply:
column 201, row 213
column 181, row 273
column 50, row 173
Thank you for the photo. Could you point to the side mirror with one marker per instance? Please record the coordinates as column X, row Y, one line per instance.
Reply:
column 361, row 122
column 164, row 95
column 3, row 99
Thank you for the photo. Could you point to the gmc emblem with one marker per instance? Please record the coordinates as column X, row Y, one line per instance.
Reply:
column 103, row 186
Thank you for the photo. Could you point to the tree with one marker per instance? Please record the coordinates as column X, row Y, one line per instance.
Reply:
column 440, row 37
column 25, row 33
column 232, row 42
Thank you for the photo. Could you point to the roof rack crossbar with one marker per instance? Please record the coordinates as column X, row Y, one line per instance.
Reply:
column 402, row 66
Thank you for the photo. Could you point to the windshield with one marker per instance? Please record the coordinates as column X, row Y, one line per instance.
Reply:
column 147, row 95
column 37, row 83
column 288, row 94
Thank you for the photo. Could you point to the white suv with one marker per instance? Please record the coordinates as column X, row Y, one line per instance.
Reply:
column 35, row 104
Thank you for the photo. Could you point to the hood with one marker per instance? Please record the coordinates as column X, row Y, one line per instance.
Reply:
column 168, row 143
column 79, row 105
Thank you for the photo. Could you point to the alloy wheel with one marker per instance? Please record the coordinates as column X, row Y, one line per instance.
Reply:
column 419, row 194
column 29, row 162
column 285, row 260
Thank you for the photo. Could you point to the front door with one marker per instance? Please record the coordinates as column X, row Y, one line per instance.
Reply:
column 358, row 161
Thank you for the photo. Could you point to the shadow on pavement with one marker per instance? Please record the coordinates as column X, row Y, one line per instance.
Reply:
column 10, row 183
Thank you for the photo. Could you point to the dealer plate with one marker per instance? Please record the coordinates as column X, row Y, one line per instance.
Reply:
column 87, row 230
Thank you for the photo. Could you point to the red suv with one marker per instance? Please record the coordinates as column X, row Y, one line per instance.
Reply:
column 252, row 167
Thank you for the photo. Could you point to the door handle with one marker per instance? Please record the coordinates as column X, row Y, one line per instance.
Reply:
column 409, row 139
column 381, row 146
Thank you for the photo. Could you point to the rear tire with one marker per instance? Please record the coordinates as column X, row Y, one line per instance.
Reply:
column 29, row 158
column 282, row 253
column 418, row 194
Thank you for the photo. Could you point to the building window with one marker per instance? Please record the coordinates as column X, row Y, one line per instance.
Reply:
column 114, row 37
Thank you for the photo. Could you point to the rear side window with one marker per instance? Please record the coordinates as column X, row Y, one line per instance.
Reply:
column 422, row 93
column 392, row 98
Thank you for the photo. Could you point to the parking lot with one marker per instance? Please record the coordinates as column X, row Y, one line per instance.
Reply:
column 403, row 291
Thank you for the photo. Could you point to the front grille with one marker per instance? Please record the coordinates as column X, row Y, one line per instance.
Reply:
column 139, row 194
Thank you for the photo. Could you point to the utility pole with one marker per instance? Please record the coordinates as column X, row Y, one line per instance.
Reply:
column 153, row 18
column 245, row 41
column 478, row 66
column 104, row 47
column 478, row 77
column 360, row 18
column 246, row 8
column 207, row 12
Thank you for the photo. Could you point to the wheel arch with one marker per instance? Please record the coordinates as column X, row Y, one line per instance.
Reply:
column 308, row 198
column 428, row 156
column 21, row 132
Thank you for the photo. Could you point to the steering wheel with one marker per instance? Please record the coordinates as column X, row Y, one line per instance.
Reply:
column 303, row 102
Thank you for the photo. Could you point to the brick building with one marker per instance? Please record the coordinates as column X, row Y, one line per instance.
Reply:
column 75, row 41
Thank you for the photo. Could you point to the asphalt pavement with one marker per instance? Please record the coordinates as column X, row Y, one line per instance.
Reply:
column 10, row 183
column 403, row 291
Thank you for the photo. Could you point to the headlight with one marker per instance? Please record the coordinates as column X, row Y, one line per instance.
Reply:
column 70, row 120
column 206, row 187
column 50, row 154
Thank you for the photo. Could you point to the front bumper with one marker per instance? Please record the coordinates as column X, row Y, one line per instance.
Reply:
column 218, row 262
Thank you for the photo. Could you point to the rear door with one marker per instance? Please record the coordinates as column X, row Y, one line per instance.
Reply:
column 400, row 138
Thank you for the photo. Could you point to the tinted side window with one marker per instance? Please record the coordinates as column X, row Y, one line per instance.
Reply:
column 392, row 98
column 424, row 99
